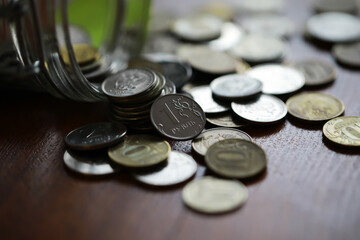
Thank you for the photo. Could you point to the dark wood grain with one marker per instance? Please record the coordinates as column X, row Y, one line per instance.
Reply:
column 310, row 189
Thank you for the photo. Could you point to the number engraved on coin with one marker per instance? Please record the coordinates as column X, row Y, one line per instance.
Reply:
column 343, row 130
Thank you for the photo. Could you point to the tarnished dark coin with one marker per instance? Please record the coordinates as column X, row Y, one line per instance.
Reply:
column 203, row 96
column 235, row 87
column 177, row 117
column 348, row 6
column 236, row 158
column 348, row 54
column 179, row 168
column 201, row 143
column 95, row 136
column 227, row 119
column 316, row 72
column 89, row 163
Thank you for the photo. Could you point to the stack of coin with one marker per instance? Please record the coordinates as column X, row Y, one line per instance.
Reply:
column 131, row 93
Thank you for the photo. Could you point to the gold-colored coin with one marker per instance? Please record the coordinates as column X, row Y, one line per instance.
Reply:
column 140, row 151
column 235, row 158
column 241, row 66
column 84, row 54
column 343, row 130
column 214, row 195
column 315, row 106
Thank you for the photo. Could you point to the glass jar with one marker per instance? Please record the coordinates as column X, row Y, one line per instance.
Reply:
column 32, row 33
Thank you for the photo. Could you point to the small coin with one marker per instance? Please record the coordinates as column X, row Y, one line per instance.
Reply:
column 348, row 54
column 201, row 143
column 348, row 6
column 95, row 136
column 259, row 49
column 224, row 11
column 177, row 117
column 261, row 6
column 140, row 151
column 198, row 28
column 278, row 79
column 334, row 27
column 235, row 158
column 314, row 106
column 89, row 163
column 84, row 54
column 266, row 109
column 343, row 130
column 227, row 119
column 235, row 87
column 316, row 72
column 203, row 96
column 214, row 195
column 231, row 34
column 180, row 167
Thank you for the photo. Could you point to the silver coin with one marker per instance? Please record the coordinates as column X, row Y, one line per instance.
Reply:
column 169, row 87
column 227, row 119
column 266, row 109
column 180, row 167
column 161, row 42
column 201, row 143
column 77, row 35
column 277, row 79
column 230, row 36
column 259, row 49
column 334, row 27
column 348, row 54
column 235, row 87
column 203, row 96
column 89, row 163
column 261, row 6
column 348, row 6
column 316, row 72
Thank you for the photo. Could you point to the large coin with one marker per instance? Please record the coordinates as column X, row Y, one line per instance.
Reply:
column 230, row 36
column 348, row 6
column 89, row 163
column 316, row 72
column 235, row 158
column 140, row 151
column 84, row 54
column 343, row 130
column 278, row 79
column 207, row 138
column 266, row 109
column 348, row 54
column 235, row 87
column 180, row 167
column 314, row 106
column 334, row 27
column 95, row 136
column 214, row 195
column 177, row 117
column 203, row 96
column 227, row 119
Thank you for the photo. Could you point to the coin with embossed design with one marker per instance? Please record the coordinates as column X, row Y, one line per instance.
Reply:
column 203, row 96
column 343, row 130
column 201, row 143
column 235, row 158
column 266, row 109
column 95, row 136
column 227, row 119
column 315, row 106
column 140, row 151
column 177, row 116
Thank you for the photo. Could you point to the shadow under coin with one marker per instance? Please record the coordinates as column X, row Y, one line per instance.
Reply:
column 348, row 150
column 313, row 126
column 247, row 181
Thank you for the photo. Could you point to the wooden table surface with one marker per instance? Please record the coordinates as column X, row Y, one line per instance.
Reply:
column 309, row 191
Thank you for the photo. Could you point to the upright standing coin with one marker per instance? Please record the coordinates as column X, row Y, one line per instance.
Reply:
column 266, row 109
column 95, row 136
column 207, row 138
column 203, row 96
column 214, row 195
column 89, row 163
column 316, row 72
column 177, row 117
column 235, row 158
column 348, row 54
column 278, row 79
column 343, row 130
column 235, row 87
column 140, row 151
column 227, row 119
column 315, row 106
column 180, row 167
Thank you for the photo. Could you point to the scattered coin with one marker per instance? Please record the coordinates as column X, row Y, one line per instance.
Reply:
column 221, row 10
column 201, row 143
column 334, row 27
column 140, row 151
column 203, row 96
column 231, row 34
column 235, row 87
column 214, row 195
column 348, row 6
column 348, row 54
column 343, row 130
column 266, row 109
column 278, row 79
column 241, row 66
column 226, row 119
column 180, row 167
column 261, row 6
column 316, row 72
column 314, row 106
column 164, row 43
column 89, row 163
column 84, row 54
column 95, row 136
column 177, row 117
